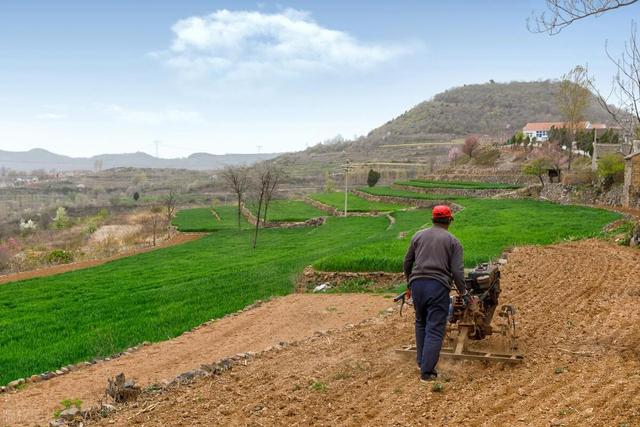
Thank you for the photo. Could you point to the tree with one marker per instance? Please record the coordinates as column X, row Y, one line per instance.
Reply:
column 555, row 155
column 329, row 183
column 372, row 178
column 275, row 178
column 610, row 168
column 562, row 13
column 136, row 196
column 471, row 143
column 573, row 100
column 264, row 181
column 170, row 202
column 61, row 220
column 454, row 154
column 536, row 167
column 155, row 211
column 237, row 178
column 625, row 89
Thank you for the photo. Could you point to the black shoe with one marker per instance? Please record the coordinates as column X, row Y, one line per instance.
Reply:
column 426, row 378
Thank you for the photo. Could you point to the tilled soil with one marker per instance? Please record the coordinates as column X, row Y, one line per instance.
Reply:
column 580, row 333
column 288, row 318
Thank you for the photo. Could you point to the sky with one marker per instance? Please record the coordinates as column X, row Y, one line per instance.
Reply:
column 86, row 77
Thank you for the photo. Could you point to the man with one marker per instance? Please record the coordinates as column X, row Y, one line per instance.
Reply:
column 434, row 260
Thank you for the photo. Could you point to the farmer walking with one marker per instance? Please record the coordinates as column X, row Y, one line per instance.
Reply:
column 433, row 263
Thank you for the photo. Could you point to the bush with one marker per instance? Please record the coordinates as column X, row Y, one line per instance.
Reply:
column 611, row 169
column 373, row 178
column 59, row 256
column 61, row 220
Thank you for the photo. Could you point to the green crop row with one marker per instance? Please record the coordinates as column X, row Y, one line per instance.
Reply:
column 423, row 183
column 354, row 203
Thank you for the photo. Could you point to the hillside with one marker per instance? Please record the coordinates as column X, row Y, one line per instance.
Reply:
column 422, row 136
column 43, row 159
column 490, row 108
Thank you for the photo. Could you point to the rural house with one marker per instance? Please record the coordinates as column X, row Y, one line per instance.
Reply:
column 540, row 131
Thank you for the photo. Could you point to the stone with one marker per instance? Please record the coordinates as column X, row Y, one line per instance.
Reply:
column 502, row 261
column 35, row 378
column 70, row 413
column 3, row 389
column 56, row 423
column 16, row 383
column 59, row 372
column 389, row 310
column 64, row 369
column 107, row 409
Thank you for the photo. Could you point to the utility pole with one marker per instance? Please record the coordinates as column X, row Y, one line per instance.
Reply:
column 347, row 167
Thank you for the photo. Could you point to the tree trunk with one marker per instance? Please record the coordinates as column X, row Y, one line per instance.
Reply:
column 255, row 237
column 239, row 212
column 541, row 180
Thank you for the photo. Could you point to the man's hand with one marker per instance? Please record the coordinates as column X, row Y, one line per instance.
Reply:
column 466, row 298
column 408, row 293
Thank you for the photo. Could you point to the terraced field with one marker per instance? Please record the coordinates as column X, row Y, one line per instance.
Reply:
column 49, row 322
column 354, row 203
column 422, row 183
column 289, row 211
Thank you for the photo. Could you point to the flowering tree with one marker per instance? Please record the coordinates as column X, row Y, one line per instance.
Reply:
column 471, row 143
column 454, row 154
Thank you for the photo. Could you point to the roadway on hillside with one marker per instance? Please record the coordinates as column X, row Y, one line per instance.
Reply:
column 283, row 319
column 580, row 334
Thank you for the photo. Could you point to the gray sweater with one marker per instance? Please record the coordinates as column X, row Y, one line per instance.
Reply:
column 435, row 253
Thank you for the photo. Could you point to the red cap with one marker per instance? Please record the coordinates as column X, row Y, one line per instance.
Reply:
column 442, row 212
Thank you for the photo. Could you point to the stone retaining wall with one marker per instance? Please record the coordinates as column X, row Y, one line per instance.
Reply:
column 251, row 218
column 418, row 203
column 494, row 177
column 451, row 191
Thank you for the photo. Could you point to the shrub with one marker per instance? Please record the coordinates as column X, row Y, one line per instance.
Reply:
column 136, row 196
column 536, row 167
column 61, row 220
column 610, row 169
column 59, row 256
column 373, row 178
column 471, row 143
column 27, row 227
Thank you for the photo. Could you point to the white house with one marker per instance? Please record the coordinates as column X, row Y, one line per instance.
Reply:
column 540, row 131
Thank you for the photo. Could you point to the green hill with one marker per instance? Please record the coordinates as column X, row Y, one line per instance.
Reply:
column 490, row 108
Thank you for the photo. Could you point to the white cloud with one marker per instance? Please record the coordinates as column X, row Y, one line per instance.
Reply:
column 247, row 45
column 51, row 116
column 153, row 117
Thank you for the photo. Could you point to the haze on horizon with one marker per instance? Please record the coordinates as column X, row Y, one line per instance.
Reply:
column 85, row 78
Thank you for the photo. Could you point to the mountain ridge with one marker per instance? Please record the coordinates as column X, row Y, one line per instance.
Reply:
column 39, row 158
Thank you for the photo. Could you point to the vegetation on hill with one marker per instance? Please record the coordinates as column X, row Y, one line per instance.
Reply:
column 489, row 108
column 290, row 211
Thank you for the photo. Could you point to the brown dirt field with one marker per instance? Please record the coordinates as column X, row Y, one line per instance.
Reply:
column 580, row 333
column 283, row 319
column 63, row 268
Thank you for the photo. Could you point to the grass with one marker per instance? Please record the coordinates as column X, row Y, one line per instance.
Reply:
column 485, row 228
column 423, row 183
column 393, row 192
column 203, row 220
column 54, row 321
column 290, row 211
column 354, row 203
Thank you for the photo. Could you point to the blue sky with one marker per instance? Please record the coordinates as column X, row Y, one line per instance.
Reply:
column 82, row 77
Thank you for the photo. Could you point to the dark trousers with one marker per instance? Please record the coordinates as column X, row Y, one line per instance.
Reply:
column 431, row 302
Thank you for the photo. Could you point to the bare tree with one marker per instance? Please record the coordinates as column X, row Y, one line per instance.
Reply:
column 237, row 178
column 562, row 13
column 263, row 183
column 274, row 181
column 156, row 210
column 170, row 202
column 573, row 100
column 625, row 88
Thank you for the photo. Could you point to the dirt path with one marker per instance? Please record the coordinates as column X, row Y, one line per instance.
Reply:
column 580, row 333
column 283, row 319
column 63, row 268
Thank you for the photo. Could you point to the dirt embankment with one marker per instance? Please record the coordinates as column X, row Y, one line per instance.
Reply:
column 580, row 334
column 284, row 319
